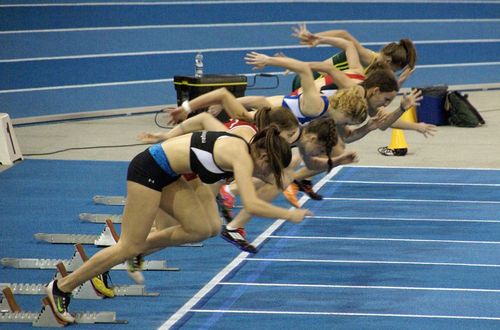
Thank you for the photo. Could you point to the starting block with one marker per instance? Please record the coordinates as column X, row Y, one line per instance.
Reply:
column 12, row 313
column 109, row 200
column 100, row 218
column 75, row 262
column 108, row 237
column 9, row 148
column 120, row 200
column 84, row 291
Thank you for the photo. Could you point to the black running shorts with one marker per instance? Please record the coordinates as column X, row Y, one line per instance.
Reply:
column 144, row 170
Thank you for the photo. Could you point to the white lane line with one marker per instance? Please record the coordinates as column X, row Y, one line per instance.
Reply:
column 447, row 169
column 251, row 24
column 374, row 262
column 187, row 307
column 375, row 287
column 224, row 49
column 410, row 200
column 400, row 219
column 228, row 311
column 280, row 73
column 118, row 83
column 216, row 2
column 418, row 183
column 333, row 238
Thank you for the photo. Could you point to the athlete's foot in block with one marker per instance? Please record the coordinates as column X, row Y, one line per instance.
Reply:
column 101, row 286
column 59, row 301
column 134, row 269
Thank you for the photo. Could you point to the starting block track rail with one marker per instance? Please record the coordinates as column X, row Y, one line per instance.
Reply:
column 39, row 289
column 100, row 218
column 107, row 237
column 109, row 200
column 76, row 261
column 34, row 263
column 119, row 200
column 10, row 312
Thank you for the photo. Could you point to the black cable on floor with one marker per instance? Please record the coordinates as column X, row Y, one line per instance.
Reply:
column 84, row 148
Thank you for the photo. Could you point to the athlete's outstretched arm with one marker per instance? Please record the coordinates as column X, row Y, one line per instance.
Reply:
column 236, row 157
column 218, row 96
column 339, row 77
column 311, row 101
column 365, row 54
column 202, row 122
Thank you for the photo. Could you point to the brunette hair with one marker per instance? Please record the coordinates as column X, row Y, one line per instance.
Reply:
column 351, row 103
column 280, row 116
column 277, row 148
column 326, row 132
column 401, row 54
column 381, row 76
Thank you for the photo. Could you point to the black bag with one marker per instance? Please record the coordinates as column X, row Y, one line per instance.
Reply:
column 461, row 112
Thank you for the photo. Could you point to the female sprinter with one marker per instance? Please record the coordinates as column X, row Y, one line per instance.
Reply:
column 153, row 183
column 401, row 57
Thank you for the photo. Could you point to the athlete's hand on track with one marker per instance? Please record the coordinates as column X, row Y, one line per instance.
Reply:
column 297, row 215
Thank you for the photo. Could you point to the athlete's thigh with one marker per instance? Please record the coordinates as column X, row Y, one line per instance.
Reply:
column 181, row 201
column 139, row 212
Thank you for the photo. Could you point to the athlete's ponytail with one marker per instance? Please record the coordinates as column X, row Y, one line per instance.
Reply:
column 401, row 54
column 281, row 117
column 277, row 148
column 326, row 133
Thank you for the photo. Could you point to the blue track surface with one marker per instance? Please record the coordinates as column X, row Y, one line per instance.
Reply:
column 122, row 56
column 387, row 248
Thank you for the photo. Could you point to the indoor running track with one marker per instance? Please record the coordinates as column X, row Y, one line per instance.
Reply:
column 401, row 248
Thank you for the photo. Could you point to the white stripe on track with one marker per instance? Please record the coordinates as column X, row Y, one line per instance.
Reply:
column 374, row 262
column 281, row 73
column 418, row 183
column 250, row 24
column 489, row 318
column 415, row 240
column 336, row 286
column 327, row 217
column 225, row 49
column 410, row 200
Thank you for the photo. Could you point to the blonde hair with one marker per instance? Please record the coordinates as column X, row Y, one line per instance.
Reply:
column 351, row 103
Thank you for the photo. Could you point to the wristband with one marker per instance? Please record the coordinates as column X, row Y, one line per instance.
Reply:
column 185, row 106
column 401, row 108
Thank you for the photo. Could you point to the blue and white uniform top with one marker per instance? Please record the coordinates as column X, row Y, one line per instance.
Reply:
column 292, row 102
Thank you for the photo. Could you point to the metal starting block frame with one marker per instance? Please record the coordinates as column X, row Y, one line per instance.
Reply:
column 108, row 237
column 84, row 291
column 75, row 262
column 39, row 289
column 109, row 200
column 100, row 218
column 120, row 201
column 10, row 312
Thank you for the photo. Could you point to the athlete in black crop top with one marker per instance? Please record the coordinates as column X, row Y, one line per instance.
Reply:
column 201, row 156
column 197, row 216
